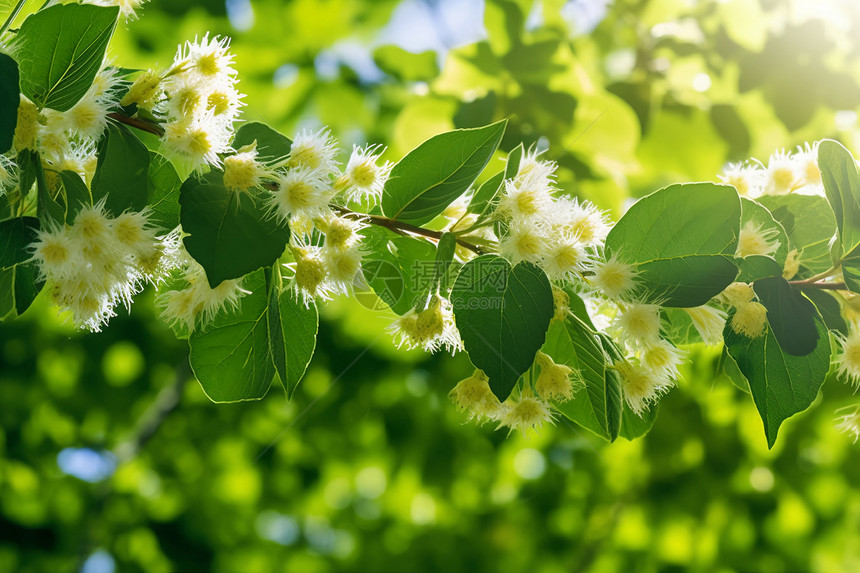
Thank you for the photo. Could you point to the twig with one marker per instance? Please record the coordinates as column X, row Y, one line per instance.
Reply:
column 140, row 124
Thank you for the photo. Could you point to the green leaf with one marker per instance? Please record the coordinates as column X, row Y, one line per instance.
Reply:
column 842, row 186
column 512, row 167
column 781, row 384
column 19, row 280
column 635, row 426
column 48, row 210
column 230, row 234
column 438, row 171
column 729, row 367
column 808, row 221
column 791, row 315
column 682, row 239
column 121, row 176
column 400, row 270
column 162, row 191
column 486, row 193
column 292, row 336
column 271, row 145
column 754, row 267
column 828, row 307
column 10, row 96
column 60, row 50
column 77, row 194
column 231, row 358
column 502, row 314
column 597, row 406
column 406, row 66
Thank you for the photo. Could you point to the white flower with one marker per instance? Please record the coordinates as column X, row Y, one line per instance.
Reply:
column 342, row 264
column 613, row 278
column 242, row 171
column 642, row 386
column 314, row 151
column 639, row 324
column 525, row 413
column 126, row 7
column 8, row 174
column 523, row 242
column 662, row 358
column 341, row 232
column 198, row 304
column 753, row 240
column 564, row 257
column 300, row 192
column 364, row 177
column 747, row 179
column 555, row 380
column 848, row 361
column 531, row 166
column 474, row 396
column 196, row 141
column 849, row 422
column 581, row 219
column 525, row 198
column 750, row 319
column 709, row 322
column 430, row 329
column 206, row 60
column 146, row 91
column 310, row 278
column 806, row 160
column 782, row 174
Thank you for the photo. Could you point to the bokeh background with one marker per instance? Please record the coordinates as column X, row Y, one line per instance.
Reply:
column 112, row 460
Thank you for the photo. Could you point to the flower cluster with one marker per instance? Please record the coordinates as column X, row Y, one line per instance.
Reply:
column 99, row 262
column 196, row 303
column 65, row 140
column 784, row 172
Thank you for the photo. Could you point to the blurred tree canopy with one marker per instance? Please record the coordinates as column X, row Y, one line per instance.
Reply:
column 111, row 460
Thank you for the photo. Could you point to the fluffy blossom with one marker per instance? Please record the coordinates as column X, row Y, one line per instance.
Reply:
column 709, row 323
column 849, row 422
column 431, row 328
column 299, row 192
column 364, row 176
column 642, row 386
column 554, row 381
column 750, row 319
column 613, row 278
column 525, row 413
column 754, row 240
column 473, row 395
column 848, row 361
column 314, row 151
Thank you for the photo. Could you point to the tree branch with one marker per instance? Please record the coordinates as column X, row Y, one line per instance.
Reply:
column 400, row 227
column 140, row 124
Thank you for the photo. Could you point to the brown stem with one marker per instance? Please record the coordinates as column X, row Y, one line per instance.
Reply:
column 140, row 124
column 401, row 227
column 822, row 286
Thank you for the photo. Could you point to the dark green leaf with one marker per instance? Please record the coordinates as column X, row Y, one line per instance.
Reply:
column 77, row 194
column 842, row 185
column 597, row 406
column 829, row 309
column 230, row 234
column 512, row 167
column 503, row 314
column 781, row 384
column 60, row 50
column 48, row 210
column 19, row 281
column 10, row 95
column 634, row 425
column 791, row 315
column 682, row 239
column 271, row 145
column 438, row 171
column 231, row 358
column 121, row 174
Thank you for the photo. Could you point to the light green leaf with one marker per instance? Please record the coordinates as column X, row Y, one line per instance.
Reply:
column 400, row 270
column 781, row 384
column 438, row 171
column 121, row 174
column 292, row 336
column 231, row 358
column 634, row 425
column 486, row 194
column 162, row 191
column 842, row 185
column 502, row 314
column 597, row 405
column 10, row 96
column 808, row 221
column 60, row 50
column 230, row 234
column 682, row 240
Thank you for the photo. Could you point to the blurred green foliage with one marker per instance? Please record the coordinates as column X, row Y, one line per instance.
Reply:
column 368, row 467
